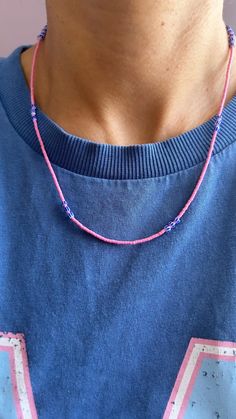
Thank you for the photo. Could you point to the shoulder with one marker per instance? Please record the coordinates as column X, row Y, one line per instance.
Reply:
column 11, row 77
column 10, row 63
column 2, row 59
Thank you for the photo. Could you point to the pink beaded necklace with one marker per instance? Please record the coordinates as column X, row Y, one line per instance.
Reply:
column 169, row 227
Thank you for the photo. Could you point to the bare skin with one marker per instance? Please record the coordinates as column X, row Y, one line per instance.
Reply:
column 132, row 71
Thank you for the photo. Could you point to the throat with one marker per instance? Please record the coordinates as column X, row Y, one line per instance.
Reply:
column 123, row 96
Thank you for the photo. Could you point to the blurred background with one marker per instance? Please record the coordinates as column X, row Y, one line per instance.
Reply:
column 21, row 20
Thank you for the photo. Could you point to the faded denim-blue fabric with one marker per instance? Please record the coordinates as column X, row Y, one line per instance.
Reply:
column 107, row 327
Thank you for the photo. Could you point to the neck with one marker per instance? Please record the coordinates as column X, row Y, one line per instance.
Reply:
column 131, row 67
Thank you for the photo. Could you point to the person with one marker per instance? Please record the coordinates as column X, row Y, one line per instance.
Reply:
column 101, row 317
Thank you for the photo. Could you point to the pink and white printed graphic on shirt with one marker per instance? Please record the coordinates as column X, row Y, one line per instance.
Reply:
column 16, row 397
column 205, row 387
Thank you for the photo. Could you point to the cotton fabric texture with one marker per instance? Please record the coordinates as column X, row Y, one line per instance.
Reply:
column 107, row 327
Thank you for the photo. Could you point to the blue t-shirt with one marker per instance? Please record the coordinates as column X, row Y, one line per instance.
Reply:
column 92, row 330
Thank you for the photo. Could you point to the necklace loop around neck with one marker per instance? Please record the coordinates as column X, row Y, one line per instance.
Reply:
column 172, row 224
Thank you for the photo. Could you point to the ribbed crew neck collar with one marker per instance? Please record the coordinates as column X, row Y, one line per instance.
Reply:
column 89, row 158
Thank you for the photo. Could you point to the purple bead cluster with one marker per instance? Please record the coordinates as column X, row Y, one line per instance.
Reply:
column 33, row 112
column 67, row 209
column 172, row 224
column 218, row 122
column 43, row 33
column 231, row 36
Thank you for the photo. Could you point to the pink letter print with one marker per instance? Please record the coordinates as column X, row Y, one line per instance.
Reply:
column 205, row 387
column 16, row 397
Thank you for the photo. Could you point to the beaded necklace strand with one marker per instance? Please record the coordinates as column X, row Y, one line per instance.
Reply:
column 171, row 225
